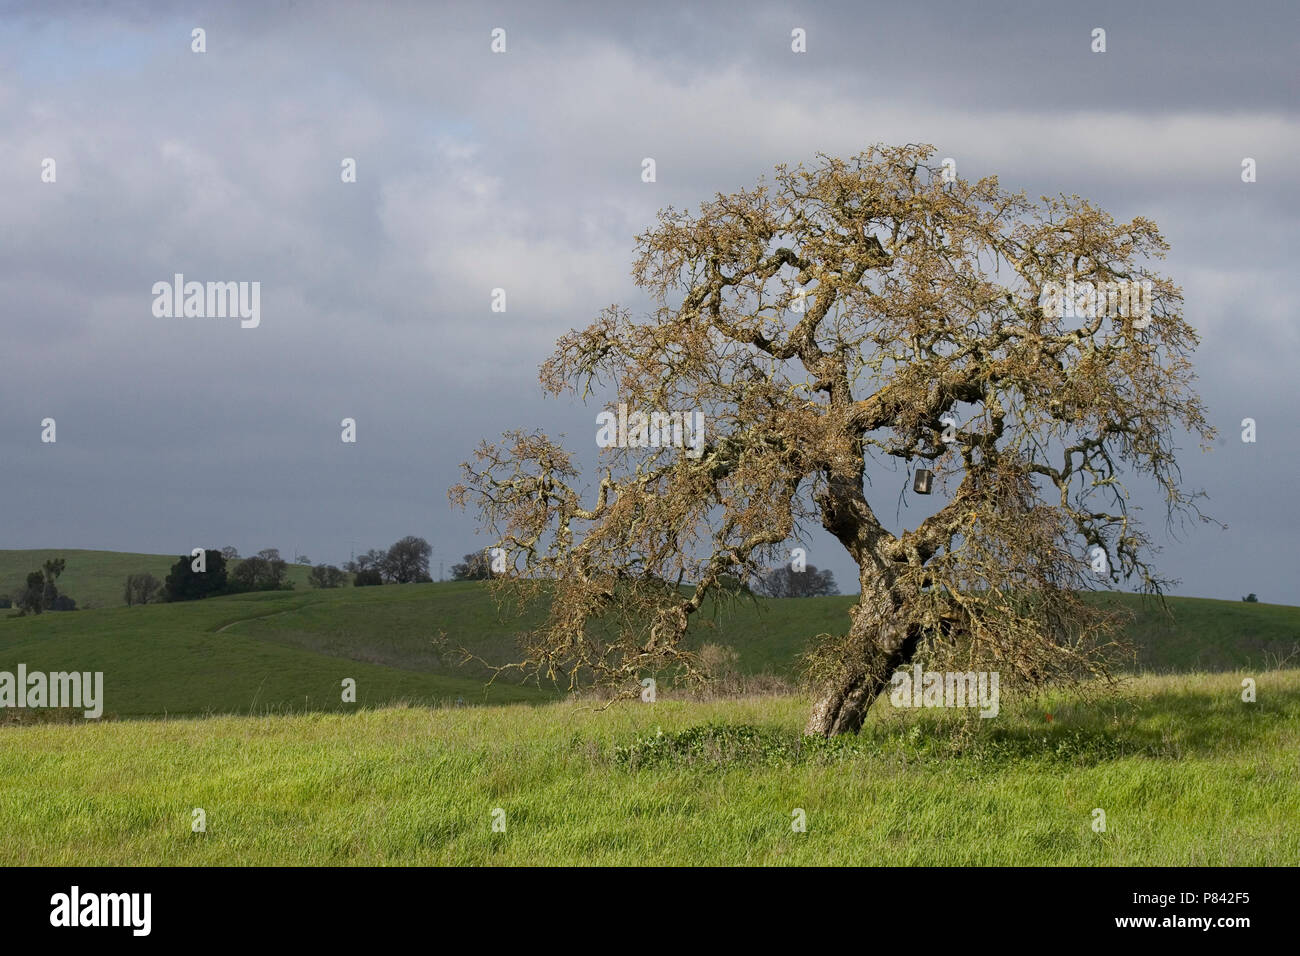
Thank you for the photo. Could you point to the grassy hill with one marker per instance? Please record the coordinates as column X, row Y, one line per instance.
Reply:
column 94, row 579
column 210, row 656
column 1186, row 773
column 1192, row 634
column 290, row 650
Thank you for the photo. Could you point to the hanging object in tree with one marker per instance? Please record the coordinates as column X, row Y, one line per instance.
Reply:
column 923, row 480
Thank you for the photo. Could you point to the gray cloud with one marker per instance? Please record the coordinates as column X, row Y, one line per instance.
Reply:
column 522, row 171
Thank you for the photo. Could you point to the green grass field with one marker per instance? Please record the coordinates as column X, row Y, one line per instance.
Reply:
column 234, row 705
column 1185, row 772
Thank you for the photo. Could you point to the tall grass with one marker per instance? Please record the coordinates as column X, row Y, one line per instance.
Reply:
column 1185, row 772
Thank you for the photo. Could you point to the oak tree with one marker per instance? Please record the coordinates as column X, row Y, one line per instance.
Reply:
column 407, row 561
column 833, row 323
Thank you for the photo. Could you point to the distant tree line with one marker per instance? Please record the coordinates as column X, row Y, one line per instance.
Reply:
column 404, row 562
column 781, row 582
column 214, row 573
column 225, row 572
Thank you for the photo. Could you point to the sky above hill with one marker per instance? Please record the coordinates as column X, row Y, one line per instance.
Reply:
column 522, row 171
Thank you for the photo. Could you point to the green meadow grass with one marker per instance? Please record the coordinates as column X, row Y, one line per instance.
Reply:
column 234, row 705
column 1185, row 771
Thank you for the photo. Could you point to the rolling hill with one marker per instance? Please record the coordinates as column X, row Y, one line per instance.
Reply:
column 290, row 650
column 95, row 578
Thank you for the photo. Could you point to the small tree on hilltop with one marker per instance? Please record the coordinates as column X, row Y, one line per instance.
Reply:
column 372, row 559
column 140, row 589
column 785, row 582
column 369, row 577
column 260, row 573
column 31, row 597
column 50, row 592
column 184, row 583
column 475, row 566
column 326, row 576
column 407, row 561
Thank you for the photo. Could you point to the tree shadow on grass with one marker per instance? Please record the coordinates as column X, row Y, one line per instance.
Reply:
column 1166, row 725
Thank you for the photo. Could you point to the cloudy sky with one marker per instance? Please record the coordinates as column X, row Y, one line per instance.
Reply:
column 522, row 170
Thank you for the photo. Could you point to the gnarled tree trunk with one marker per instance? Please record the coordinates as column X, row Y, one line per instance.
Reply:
column 882, row 644
column 842, row 704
